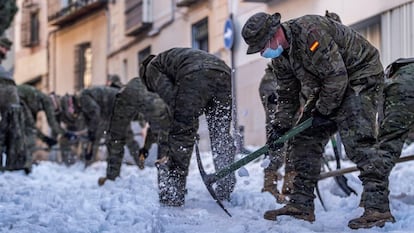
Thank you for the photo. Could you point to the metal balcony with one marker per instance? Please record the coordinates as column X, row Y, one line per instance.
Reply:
column 75, row 11
column 187, row 3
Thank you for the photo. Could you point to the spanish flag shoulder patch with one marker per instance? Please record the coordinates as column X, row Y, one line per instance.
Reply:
column 314, row 46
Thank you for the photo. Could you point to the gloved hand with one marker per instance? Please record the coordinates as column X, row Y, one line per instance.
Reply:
column 71, row 136
column 275, row 134
column 320, row 120
column 50, row 141
column 143, row 154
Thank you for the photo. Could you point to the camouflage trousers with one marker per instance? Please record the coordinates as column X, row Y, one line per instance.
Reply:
column 355, row 121
column 116, row 155
column 208, row 92
column 12, row 138
column 397, row 123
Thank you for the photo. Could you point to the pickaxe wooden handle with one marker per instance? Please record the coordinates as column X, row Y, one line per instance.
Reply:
column 210, row 179
column 354, row 169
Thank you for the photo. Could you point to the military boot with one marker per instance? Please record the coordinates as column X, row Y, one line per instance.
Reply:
column 289, row 209
column 270, row 185
column 171, row 185
column 287, row 187
column 371, row 218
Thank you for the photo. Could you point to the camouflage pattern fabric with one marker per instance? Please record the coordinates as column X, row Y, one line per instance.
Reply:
column 133, row 99
column 268, row 96
column 397, row 123
column 193, row 82
column 96, row 105
column 114, row 81
column 346, row 71
column 36, row 101
column 12, row 139
column 73, row 121
column 8, row 9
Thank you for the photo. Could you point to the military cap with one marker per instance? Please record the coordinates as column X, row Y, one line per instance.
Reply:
column 114, row 80
column 259, row 29
column 333, row 16
column 5, row 42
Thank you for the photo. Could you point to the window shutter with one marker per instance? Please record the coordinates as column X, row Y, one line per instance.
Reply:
column 25, row 27
column 77, row 69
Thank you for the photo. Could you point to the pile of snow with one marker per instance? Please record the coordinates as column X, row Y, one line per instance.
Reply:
column 56, row 198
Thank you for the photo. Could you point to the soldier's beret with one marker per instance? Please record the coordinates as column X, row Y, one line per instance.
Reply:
column 258, row 30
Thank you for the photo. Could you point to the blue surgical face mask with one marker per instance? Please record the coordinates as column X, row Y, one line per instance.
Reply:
column 272, row 53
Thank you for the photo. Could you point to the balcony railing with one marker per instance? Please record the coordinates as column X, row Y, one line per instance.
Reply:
column 75, row 11
column 187, row 3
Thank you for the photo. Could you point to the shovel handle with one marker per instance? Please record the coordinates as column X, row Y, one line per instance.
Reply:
column 252, row 156
column 354, row 169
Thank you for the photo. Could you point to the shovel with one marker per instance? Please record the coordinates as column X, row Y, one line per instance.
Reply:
column 210, row 179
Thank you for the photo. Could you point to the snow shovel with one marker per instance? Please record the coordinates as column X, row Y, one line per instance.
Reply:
column 210, row 179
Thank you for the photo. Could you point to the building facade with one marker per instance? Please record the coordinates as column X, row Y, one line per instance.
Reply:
column 79, row 42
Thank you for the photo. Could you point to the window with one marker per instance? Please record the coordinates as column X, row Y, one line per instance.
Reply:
column 138, row 16
column 34, row 28
column 142, row 55
column 200, row 35
column 83, row 66
column 30, row 25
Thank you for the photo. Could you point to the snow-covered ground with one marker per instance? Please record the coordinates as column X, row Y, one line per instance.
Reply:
column 56, row 198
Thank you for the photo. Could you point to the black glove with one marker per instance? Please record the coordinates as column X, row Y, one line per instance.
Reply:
column 274, row 135
column 50, row 141
column 71, row 136
column 320, row 120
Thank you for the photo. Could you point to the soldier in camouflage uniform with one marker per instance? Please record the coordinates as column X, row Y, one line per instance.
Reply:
column 394, row 128
column 33, row 102
column 267, row 90
column 96, row 105
column 268, row 96
column 192, row 82
column 133, row 99
column 345, row 71
column 71, row 146
column 12, row 139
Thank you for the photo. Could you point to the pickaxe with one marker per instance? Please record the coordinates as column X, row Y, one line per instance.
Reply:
column 210, row 179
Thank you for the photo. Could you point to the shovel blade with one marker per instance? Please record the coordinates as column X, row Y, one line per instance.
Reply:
column 209, row 180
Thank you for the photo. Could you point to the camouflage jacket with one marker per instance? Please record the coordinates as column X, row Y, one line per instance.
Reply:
column 135, row 99
column 96, row 105
column 166, row 69
column 36, row 101
column 325, row 56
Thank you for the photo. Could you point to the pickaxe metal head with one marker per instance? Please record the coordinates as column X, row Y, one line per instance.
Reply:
column 208, row 180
